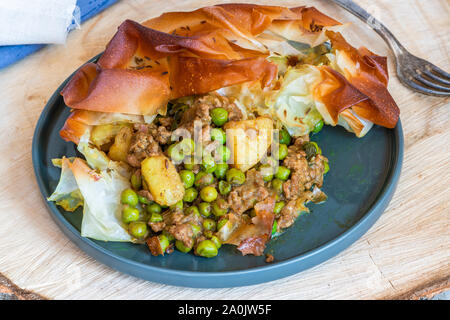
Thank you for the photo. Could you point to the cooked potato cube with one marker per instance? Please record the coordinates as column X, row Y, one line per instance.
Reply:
column 105, row 133
column 118, row 151
column 162, row 180
column 248, row 141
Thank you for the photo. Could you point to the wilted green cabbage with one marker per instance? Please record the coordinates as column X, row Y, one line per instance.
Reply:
column 97, row 186
column 66, row 194
column 294, row 104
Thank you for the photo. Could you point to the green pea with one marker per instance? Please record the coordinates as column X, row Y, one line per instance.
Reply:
column 175, row 152
column 208, row 233
column 169, row 236
column 154, row 208
column 129, row 197
column 209, row 224
column 196, row 229
column 219, row 116
column 144, row 200
column 188, row 178
column 319, row 151
column 277, row 185
column 136, row 182
column 187, row 146
column 130, row 214
column 274, row 227
column 190, row 195
column 282, row 152
column 156, row 217
column 218, row 207
column 208, row 194
column 181, row 247
column 223, row 154
column 208, row 164
column 216, row 241
column 178, row 205
column 282, row 173
column 266, row 171
column 217, row 134
column 285, row 137
column 137, row 229
column 163, row 242
column 207, row 249
column 318, row 126
column 143, row 216
column 224, row 187
column 221, row 223
column 221, row 170
column 205, row 209
column 193, row 210
column 189, row 163
column 278, row 207
column 235, row 176
column 272, row 162
column 326, row 167
column 312, row 149
column 203, row 179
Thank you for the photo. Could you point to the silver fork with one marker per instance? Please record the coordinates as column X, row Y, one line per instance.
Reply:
column 414, row 72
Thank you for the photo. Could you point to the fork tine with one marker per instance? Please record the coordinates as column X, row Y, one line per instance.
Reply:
column 439, row 71
column 434, row 77
column 431, row 84
column 425, row 90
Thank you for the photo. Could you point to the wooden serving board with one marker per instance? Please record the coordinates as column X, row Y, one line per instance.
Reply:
column 405, row 255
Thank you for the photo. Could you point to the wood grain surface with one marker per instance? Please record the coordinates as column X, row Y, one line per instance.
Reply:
column 405, row 253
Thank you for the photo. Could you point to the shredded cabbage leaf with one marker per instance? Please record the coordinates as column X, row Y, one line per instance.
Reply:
column 294, row 103
column 101, row 191
column 96, row 184
column 66, row 194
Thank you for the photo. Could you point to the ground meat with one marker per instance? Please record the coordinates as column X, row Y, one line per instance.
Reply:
column 304, row 174
column 182, row 232
column 199, row 112
column 288, row 215
column 173, row 217
column 179, row 225
column 161, row 134
column 157, row 226
column 142, row 146
column 146, row 194
column 252, row 191
column 316, row 170
column 166, row 122
column 154, row 246
column 299, row 141
column 218, row 101
column 197, row 118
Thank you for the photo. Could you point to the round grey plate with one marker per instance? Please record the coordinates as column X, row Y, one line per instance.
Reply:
column 361, row 182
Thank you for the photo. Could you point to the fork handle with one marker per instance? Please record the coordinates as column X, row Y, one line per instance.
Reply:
column 375, row 24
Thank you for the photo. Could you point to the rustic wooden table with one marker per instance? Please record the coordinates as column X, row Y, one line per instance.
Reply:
column 405, row 255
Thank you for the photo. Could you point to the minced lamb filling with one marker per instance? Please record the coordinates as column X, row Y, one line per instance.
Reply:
column 219, row 199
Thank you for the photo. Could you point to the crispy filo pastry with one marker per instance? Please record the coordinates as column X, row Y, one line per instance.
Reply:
column 178, row 54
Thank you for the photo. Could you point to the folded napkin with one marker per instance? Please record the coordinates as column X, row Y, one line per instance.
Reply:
column 35, row 21
column 40, row 22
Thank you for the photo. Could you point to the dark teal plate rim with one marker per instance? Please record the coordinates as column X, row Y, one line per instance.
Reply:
column 242, row 277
